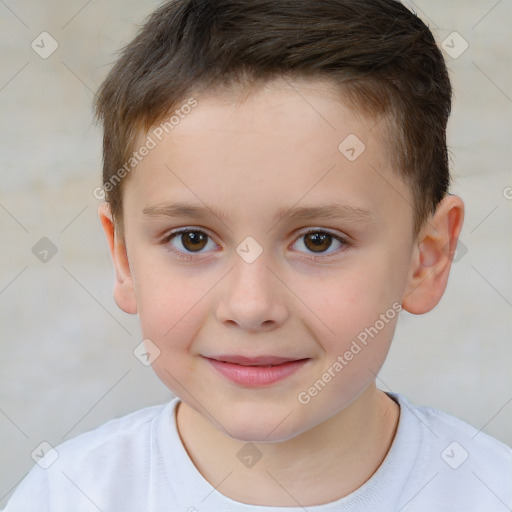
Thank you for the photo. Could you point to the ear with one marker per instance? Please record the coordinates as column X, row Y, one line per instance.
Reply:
column 124, row 292
column 433, row 255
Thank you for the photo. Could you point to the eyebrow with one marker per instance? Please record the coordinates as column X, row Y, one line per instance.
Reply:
column 328, row 211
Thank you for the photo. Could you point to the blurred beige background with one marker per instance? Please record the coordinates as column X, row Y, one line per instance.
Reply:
column 67, row 363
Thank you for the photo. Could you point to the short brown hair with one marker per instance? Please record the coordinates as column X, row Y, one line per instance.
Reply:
column 380, row 55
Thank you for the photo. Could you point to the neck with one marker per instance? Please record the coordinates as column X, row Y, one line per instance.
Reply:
column 316, row 467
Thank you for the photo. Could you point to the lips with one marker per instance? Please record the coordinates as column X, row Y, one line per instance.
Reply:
column 254, row 361
column 255, row 371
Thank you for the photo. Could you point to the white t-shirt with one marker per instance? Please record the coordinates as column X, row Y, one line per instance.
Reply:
column 138, row 463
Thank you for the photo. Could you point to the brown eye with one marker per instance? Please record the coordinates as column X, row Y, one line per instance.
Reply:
column 194, row 240
column 189, row 241
column 318, row 242
column 322, row 243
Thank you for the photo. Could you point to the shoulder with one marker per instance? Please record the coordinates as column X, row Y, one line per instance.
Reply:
column 129, row 426
column 118, row 442
column 117, row 453
column 103, row 444
column 446, row 426
column 460, row 459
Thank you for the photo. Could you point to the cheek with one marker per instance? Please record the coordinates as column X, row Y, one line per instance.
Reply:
column 349, row 299
column 169, row 300
column 171, row 310
column 361, row 317
column 353, row 313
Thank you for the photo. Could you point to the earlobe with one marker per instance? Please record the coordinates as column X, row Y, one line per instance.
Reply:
column 433, row 255
column 124, row 292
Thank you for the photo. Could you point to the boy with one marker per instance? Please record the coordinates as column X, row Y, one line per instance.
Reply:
column 276, row 178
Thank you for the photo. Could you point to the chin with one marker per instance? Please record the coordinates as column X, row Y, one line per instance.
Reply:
column 259, row 434
column 261, row 423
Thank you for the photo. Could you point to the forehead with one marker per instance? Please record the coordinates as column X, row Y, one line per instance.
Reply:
column 285, row 142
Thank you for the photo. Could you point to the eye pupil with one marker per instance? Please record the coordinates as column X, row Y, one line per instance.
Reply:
column 320, row 241
column 193, row 240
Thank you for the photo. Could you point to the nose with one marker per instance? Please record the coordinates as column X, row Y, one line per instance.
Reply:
column 252, row 297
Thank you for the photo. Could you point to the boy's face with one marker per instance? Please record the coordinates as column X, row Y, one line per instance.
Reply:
column 305, row 297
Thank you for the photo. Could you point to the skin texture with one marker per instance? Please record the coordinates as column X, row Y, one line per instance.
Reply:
column 278, row 148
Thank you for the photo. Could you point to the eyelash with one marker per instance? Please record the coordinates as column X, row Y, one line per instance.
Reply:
column 190, row 256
